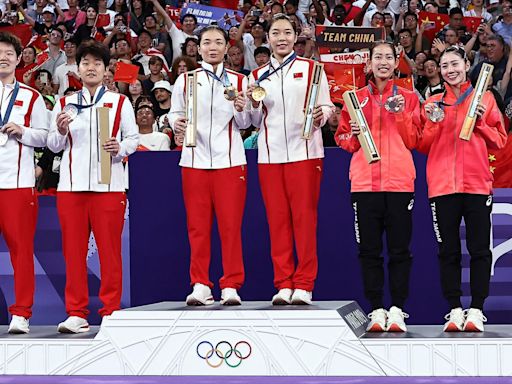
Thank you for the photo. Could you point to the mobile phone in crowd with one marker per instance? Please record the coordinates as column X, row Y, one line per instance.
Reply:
column 43, row 77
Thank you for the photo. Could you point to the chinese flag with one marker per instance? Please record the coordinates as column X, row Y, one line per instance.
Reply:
column 343, row 77
column 500, row 163
column 471, row 23
column 38, row 43
column 403, row 65
column 42, row 58
column 229, row 4
column 22, row 31
column 74, row 82
column 102, row 20
column 126, row 73
column 435, row 22
column 405, row 82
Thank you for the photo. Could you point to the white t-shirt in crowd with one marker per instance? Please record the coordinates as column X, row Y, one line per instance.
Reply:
column 61, row 76
column 155, row 141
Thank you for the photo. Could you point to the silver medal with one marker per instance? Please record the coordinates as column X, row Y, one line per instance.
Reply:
column 436, row 115
column 391, row 105
column 71, row 111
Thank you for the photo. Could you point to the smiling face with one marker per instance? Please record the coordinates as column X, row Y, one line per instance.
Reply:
column 453, row 69
column 383, row 62
column 8, row 59
column 91, row 70
column 282, row 38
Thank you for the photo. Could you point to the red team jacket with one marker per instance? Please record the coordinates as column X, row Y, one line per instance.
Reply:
column 455, row 165
column 395, row 135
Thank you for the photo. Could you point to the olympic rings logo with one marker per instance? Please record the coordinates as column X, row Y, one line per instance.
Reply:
column 225, row 352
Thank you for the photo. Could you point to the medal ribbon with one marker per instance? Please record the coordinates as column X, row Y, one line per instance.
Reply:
column 269, row 72
column 80, row 105
column 5, row 119
column 225, row 80
column 461, row 98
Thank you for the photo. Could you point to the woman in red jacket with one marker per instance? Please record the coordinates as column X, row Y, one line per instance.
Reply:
column 383, row 192
column 460, row 185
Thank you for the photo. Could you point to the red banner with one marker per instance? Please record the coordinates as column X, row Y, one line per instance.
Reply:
column 228, row 4
column 126, row 73
column 102, row 20
column 500, row 163
column 405, row 82
column 434, row 23
column 22, row 31
column 344, row 77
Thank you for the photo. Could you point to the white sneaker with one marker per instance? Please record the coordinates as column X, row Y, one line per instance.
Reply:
column 396, row 322
column 201, row 295
column 229, row 296
column 302, row 297
column 73, row 324
column 454, row 320
column 378, row 319
column 475, row 320
column 18, row 325
column 283, row 297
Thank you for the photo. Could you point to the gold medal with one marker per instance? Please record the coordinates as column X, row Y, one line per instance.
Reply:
column 230, row 93
column 258, row 93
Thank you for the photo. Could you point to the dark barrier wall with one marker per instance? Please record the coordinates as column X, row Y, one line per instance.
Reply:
column 160, row 252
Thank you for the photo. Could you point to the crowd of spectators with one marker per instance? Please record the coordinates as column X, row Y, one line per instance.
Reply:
column 142, row 33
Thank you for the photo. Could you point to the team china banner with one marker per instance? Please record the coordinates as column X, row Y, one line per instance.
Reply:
column 347, row 37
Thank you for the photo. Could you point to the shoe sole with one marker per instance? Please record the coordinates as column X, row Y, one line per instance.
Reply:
column 452, row 327
column 280, row 301
column 232, row 301
column 64, row 329
column 17, row 331
column 196, row 302
column 300, row 302
column 470, row 327
column 396, row 328
column 376, row 328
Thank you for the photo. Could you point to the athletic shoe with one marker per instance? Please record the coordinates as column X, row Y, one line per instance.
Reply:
column 283, row 297
column 229, row 296
column 302, row 297
column 396, row 321
column 201, row 295
column 74, row 324
column 454, row 320
column 475, row 320
column 18, row 325
column 378, row 319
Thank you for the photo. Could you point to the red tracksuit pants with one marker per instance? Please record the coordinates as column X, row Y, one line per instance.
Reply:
column 290, row 193
column 103, row 213
column 222, row 191
column 18, row 217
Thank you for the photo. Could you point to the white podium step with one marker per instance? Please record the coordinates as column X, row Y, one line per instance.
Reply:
column 326, row 339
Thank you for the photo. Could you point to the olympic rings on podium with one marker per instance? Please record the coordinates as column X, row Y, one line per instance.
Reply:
column 224, row 350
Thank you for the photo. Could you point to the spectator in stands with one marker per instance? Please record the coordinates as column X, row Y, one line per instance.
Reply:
column 150, row 140
column 135, row 90
column 37, row 12
column 261, row 56
column 137, row 16
column 495, row 56
column 66, row 70
column 155, row 73
column 120, row 7
column 330, row 127
column 88, row 31
column 442, row 6
column 181, row 65
column 420, row 81
column 250, row 41
column 421, row 43
column 292, row 8
column 45, row 26
column 451, row 37
column 405, row 40
column 160, row 39
column 103, row 10
column 108, row 81
column 189, row 49
column 56, row 55
column 388, row 26
column 123, row 51
column 456, row 17
column 235, row 60
column 435, row 82
column 477, row 9
column 382, row 6
column 27, row 63
column 43, row 82
column 73, row 17
column 504, row 27
column 162, row 92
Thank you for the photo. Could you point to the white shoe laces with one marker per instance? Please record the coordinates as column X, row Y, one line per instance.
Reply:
column 478, row 314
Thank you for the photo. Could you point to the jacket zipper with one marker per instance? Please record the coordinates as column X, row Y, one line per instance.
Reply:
column 211, row 121
column 284, row 116
column 380, row 141
column 90, row 144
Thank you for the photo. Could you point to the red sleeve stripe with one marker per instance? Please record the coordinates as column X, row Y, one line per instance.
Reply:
column 117, row 119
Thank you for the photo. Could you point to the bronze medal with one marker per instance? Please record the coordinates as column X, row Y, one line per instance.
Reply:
column 230, row 93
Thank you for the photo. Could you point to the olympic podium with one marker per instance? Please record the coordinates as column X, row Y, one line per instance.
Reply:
column 325, row 339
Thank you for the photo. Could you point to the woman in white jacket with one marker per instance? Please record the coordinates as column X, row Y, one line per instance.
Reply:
column 214, row 171
column 290, row 167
